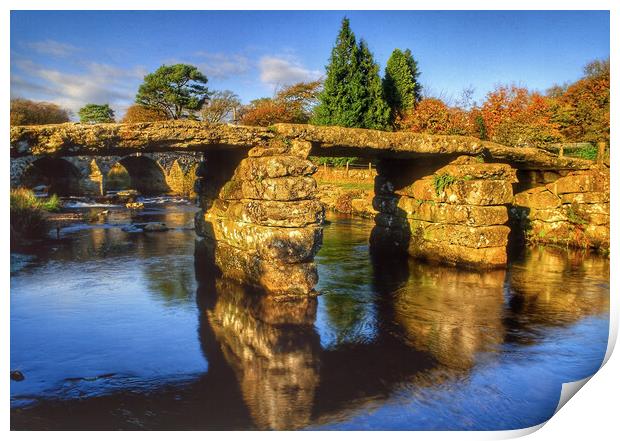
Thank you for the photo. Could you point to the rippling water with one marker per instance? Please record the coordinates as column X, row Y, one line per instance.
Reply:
column 114, row 329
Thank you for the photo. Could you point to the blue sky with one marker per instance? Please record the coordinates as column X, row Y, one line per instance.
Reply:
column 77, row 57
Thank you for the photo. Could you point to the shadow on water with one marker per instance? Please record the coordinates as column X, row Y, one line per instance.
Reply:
column 383, row 329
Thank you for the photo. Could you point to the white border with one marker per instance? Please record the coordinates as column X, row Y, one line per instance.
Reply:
column 592, row 414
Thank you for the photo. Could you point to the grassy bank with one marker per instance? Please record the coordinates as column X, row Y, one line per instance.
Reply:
column 28, row 215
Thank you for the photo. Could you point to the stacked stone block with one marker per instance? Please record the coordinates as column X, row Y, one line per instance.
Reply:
column 261, row 218
column 456, row 215
column 572, row 211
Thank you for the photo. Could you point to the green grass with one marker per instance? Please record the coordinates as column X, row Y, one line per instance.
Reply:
column 28, row 214
column 586, row 152
column 442, row 181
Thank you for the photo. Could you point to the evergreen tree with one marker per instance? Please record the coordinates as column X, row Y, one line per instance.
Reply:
column 352, row 94
column 376, row 112
column 96, row 113
column 400, row 84
column 337, row 105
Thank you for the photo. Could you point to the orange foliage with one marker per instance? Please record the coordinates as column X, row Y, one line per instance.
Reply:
column 582, row 111
column 291, row 104
column 264, row 112
column 431, row 115
column 137, row 113
column 25, row 112
column 514, row 116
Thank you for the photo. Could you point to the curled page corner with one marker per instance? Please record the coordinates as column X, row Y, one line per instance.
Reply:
column 569, row 390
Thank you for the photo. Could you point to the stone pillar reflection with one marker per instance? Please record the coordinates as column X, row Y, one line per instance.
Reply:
column 453, row 314
column 274, row 351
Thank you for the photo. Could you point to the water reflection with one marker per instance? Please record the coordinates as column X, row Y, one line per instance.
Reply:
column 385, row 337
column 452, row 314
column 273, row 349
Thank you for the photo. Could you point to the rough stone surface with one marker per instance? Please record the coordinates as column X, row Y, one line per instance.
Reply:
column 275, row 277
column 459, row 224
column 115, row 139
column 290, row 245
column 431, row 211
column 572, row 211
column 462, row 192
column 284, row 214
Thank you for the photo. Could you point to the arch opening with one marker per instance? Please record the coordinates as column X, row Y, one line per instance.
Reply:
column 57, row 174
column 140, row 173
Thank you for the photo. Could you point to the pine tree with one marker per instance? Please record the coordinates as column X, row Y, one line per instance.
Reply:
column 376, row 113
column 352, row 94
column 337, row 105
column 400, row 84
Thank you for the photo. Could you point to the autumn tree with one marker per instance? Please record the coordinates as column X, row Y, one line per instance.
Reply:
column 96, row 113
column 400, row 83
column 25, row 112
column 179, row 90
column 137, row 113
column 582, row 109
column 352, row 94
column 291, row 104
column 221, row 107
column 433, row 116
column 514, row 116
column 299, row 99
column 263, row 112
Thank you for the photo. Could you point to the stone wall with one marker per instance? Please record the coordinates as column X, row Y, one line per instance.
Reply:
column 571, row 211
column 260, row 218
column 455, row 214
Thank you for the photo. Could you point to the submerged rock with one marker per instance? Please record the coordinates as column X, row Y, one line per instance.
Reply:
column 17, row 376
column 155, row 226
column 134, row 205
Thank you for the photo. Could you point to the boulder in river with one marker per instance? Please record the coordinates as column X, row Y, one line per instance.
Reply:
column 17, row 376
column 155, row 226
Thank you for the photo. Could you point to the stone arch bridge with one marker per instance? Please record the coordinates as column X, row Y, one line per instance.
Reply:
column 452, row 199
column 150, row 173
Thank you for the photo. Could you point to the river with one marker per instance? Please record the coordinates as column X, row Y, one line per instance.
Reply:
column 115, row 329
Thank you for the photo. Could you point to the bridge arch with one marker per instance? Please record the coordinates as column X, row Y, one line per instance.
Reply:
column 143, row 173
column 58, row 174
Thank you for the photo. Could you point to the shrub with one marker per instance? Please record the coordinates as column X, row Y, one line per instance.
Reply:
column 26, row 112
column 28, row 214
column 137, row 114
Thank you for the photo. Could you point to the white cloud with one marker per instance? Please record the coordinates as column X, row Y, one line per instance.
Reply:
column 222, row 66
column 278, row 71
column 96, row 83
column 52, row 47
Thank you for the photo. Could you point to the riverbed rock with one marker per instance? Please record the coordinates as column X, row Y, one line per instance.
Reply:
column 134, row 205
column 155, row 227
column 17, row 376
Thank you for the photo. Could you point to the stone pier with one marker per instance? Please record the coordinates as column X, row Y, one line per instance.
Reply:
column 452, row 212
column 260, row 218
column 570, row 211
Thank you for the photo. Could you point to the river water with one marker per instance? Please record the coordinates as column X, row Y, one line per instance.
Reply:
column 115, row 329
